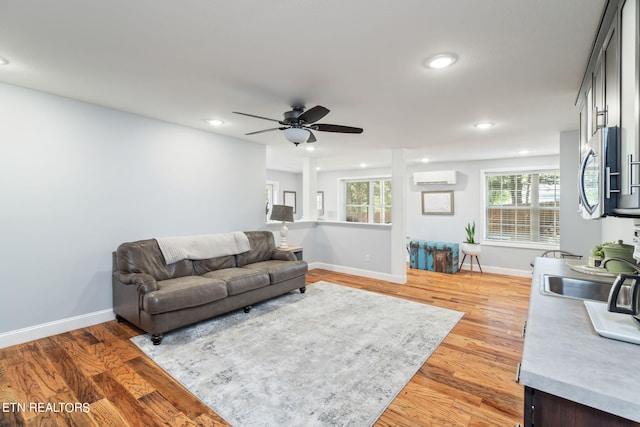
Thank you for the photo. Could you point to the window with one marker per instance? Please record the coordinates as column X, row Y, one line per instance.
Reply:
column 368, row 201
column 522, row 207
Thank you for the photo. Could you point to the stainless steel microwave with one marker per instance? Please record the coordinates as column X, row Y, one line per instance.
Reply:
column 599, row 180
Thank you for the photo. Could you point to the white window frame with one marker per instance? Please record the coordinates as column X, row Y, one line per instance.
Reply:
column 342, row 202
column 272, row 187
column 483, row 204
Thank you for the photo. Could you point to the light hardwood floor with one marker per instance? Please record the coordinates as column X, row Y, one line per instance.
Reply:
column 468, row 381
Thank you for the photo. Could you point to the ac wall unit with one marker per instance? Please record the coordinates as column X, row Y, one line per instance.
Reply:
column 434, row 177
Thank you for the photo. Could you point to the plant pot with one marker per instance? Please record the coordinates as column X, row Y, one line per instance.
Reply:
column 471, row 248
column 594, row 261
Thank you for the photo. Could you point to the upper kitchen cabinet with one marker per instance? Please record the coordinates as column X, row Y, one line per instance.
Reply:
column 599, row 96
column 609, row 95
column 629, row 104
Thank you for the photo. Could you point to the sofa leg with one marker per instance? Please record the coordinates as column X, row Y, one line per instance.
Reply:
column 303, row 289
column 119, row 318
column 247, row 309
column 156, row 339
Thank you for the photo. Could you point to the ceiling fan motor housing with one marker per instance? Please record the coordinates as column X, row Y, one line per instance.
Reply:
column 292, row 116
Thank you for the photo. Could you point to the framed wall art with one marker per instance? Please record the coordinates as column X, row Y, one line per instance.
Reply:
column 437, row 202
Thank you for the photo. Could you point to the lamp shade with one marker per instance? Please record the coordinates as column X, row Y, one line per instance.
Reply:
column 296, row 135
column 282, row 213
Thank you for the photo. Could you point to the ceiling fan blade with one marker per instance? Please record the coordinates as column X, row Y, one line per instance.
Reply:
column 265, row 130
column 312, row 137
column 314, row 114
column 323, row 127
column 257, row 117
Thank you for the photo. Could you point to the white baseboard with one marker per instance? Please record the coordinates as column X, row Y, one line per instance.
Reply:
column 498, row 270
column 359, row 272
column 35, row 332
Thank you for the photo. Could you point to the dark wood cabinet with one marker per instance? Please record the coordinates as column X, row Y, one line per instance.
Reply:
column 546, row 410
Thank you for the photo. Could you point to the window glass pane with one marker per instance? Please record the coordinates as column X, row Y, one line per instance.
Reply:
column 357, row 214
column 523, row 207
column 357, row 193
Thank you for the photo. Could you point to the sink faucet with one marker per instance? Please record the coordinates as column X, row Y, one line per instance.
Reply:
column 633, row 265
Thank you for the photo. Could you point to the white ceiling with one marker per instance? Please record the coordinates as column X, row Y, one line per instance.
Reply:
column 520, row 65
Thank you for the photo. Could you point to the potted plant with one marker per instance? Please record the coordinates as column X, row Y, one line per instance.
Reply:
column 597, row 254
column 469, row 246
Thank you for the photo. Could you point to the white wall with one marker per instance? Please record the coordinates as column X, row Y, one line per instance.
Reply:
column 467, row 208
column 614, row 229
column 577, row 235
column 77, row 180
column 288, row 181
column 364, row 247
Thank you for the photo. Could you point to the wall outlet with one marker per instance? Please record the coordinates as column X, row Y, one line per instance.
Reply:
column 367, row 257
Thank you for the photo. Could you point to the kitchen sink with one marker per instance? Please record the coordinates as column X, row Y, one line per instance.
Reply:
column 582, row 289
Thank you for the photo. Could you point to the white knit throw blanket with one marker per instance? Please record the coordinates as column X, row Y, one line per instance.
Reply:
column 202, row 246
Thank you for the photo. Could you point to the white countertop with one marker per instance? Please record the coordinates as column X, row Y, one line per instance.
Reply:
column 564, row 355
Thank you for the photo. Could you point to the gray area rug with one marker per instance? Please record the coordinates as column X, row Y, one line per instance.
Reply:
column 334, row 356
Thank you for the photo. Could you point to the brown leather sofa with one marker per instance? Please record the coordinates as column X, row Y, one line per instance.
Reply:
column 157, row 297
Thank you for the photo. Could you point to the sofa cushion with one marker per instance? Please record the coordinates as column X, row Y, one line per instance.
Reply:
column 279, row 271
column 144, row 256
column 240, row 280
column 183, row 292
column 206, row 265
column 262, row 246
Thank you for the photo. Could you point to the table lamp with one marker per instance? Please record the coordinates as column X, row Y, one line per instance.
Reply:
column 285, row 214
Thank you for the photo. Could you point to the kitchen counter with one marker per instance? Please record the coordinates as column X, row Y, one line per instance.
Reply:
column 563, row 355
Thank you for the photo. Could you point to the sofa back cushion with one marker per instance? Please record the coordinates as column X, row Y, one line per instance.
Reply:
column 201, row 267
column 144, row 256
column 262, row 246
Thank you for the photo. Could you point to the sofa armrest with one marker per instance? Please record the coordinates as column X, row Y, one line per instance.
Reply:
column 145, row 282
column 281, row 255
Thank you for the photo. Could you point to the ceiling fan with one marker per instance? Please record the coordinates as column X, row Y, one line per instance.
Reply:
column 298, row 124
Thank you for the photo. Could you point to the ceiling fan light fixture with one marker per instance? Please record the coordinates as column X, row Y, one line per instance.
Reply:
column 296, row 135
column 441, row 60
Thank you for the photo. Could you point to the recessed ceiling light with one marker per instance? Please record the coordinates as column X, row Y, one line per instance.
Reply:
column 3, row 61
column 317, row 168
column 363, row 165
column 425, row 160
column 441, row 60
column 215, row 122
column 483, row 125
column 310, row 148
column 523, row 152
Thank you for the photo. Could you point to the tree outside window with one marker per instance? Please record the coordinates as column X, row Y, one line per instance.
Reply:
column 368, row 201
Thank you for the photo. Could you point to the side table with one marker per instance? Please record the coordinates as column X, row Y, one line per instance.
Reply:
column 297, row 251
